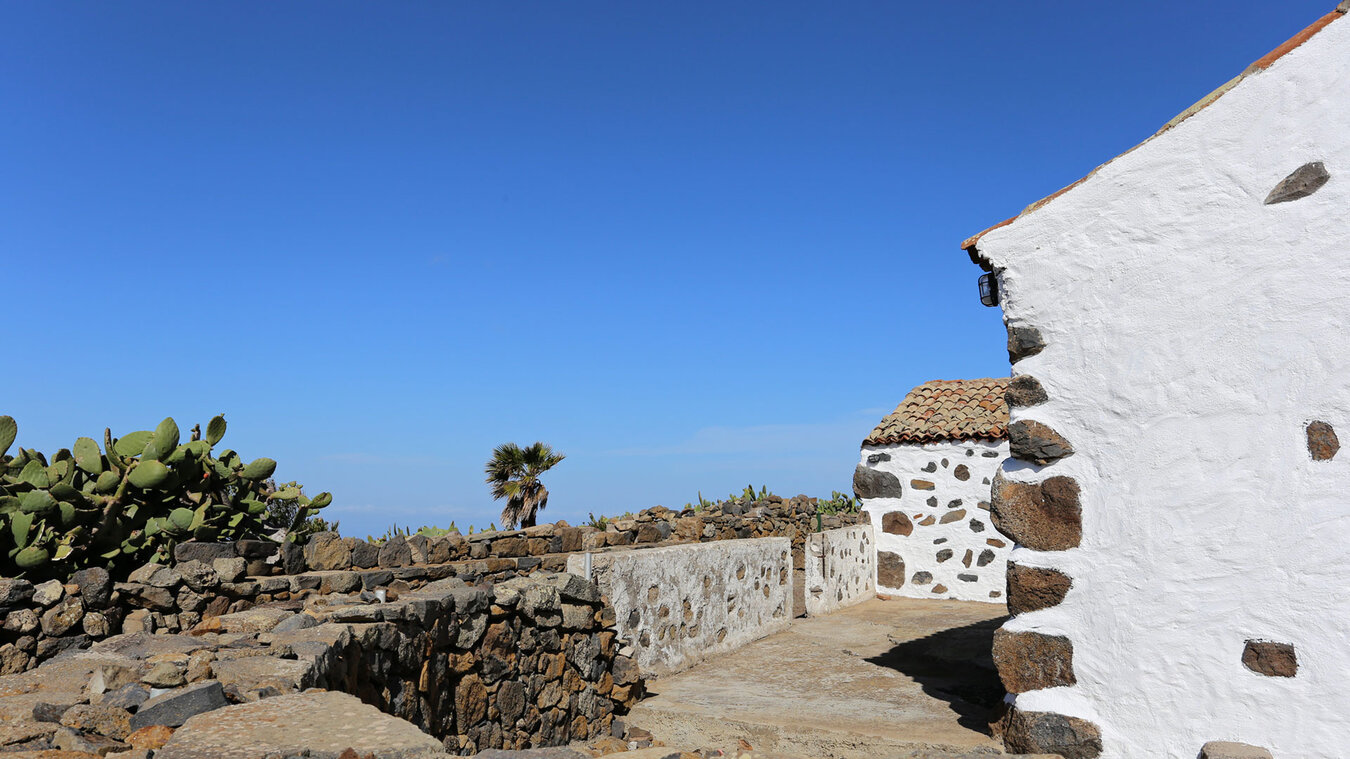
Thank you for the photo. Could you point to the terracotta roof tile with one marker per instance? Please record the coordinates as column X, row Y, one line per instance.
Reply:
column 1261, row 65
column 947, row 410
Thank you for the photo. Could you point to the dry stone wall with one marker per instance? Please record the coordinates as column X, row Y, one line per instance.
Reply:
column 840, row 569
column 773, row 516
column 44, row 620
column 527, row 662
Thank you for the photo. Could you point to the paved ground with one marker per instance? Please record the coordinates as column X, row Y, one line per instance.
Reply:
column 881, row 679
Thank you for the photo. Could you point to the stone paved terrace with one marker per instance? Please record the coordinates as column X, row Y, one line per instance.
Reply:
column 884, row 678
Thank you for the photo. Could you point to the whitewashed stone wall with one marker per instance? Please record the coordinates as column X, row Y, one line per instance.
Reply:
column 678, row 605
column 936, row 540
column 840, row 569
column 1185, row 556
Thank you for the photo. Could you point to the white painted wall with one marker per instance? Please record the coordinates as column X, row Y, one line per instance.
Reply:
column 1192, row 332
column 678, row 605
column 973, row 532
column 840, row 568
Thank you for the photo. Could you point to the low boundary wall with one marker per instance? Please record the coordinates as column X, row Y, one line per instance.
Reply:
column 210, row 579
column 840, row 569
column 676, row 606
column 526, row 663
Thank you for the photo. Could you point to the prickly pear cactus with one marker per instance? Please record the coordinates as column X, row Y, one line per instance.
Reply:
column 132, row 501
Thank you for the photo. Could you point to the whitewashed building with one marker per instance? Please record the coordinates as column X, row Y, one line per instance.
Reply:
column 924, row 481
column 1176, row 493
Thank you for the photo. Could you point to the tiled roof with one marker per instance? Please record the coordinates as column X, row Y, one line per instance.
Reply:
column 1261, row 65
column 947, row 410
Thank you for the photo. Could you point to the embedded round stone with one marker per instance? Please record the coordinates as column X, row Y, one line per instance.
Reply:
column 1029, row 661
column 896, row 523
column 1025, row 390
column 1231, row 750
column 1035, row 442
column 890, row 569
column 1304, row 181
column 1024, row 342
column 1322, row 441
column 1043, row 516
column 1032, row 588
column 1270, row 658
column 1049, row 733
column 871, row 483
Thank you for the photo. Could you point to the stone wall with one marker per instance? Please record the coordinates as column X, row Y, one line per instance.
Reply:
column 528, row 662
column 773, row 516
column 1175, row 325
column 930, row 507
column 211, row 579
column 793, row 518
column 678, row 605
column 840, row 569
column 42, row 621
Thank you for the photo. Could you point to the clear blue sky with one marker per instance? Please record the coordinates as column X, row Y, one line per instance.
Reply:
column 693, row 245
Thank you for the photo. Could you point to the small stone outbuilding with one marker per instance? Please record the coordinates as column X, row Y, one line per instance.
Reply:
column 924, row 481
column 1178, row 320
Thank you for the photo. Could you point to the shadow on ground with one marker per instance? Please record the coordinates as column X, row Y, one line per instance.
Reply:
column 955, row 666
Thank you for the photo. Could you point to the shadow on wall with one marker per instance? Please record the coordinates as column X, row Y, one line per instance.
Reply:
column 955, row 665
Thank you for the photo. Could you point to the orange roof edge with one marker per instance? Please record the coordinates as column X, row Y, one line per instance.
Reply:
column 1260, row 65
column 946, row 411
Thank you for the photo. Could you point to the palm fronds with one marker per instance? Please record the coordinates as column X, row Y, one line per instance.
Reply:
column 513, row 473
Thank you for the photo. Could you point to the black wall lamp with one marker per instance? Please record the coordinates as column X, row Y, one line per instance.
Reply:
column 989, row 289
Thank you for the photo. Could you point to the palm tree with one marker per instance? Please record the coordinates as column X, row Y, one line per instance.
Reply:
column 513, row 472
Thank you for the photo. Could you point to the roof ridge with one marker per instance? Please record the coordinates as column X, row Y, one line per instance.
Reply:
column 1259, row 65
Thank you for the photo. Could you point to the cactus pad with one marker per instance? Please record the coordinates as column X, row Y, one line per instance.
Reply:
column 32, row 557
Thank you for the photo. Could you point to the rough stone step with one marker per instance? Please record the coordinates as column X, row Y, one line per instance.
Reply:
column 324, row 722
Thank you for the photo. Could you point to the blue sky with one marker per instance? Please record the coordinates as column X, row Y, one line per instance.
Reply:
column 692, row 245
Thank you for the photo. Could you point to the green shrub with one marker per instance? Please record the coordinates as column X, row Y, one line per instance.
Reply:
column 428, row 531
column 838, row 503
